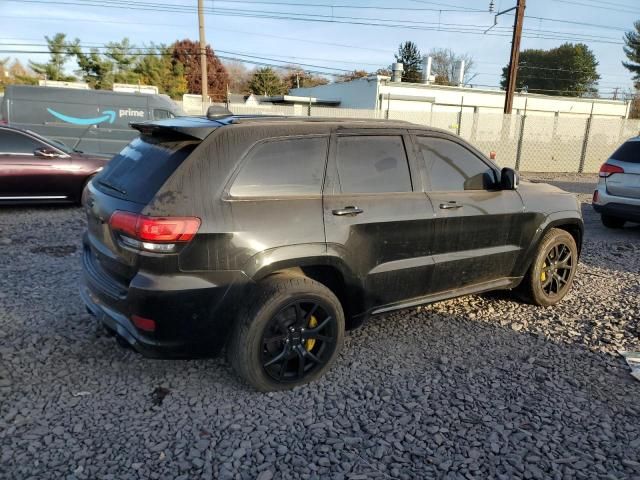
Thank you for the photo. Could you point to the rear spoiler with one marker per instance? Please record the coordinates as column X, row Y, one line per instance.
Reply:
column 181, row 127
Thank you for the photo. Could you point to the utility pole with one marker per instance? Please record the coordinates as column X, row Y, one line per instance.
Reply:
column 203, row 56
column 515, row 56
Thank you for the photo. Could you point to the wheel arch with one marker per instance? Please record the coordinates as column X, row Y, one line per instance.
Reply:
column 570, row 222
column 330, row 271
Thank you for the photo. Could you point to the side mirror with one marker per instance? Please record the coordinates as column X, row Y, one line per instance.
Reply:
column 509, row 179
column 45, row 152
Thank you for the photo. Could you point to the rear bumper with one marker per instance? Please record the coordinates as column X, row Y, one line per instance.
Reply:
column 626, row 208
column 619, row 210
column 193, row 313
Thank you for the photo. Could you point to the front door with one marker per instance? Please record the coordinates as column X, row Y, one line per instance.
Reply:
column 375, row 218
column 479, row 231
column 26, row 175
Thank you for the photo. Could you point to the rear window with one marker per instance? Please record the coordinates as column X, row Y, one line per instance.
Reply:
column 142, row 167
column 628, row 152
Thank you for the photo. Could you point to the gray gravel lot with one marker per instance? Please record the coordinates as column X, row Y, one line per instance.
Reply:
column 477, row 387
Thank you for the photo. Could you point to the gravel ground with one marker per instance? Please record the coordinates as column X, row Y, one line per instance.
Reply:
column 477, row 387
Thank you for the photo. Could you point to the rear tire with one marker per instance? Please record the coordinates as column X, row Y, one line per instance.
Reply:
column 612, row 222
column 289, row 333
column 551, row 274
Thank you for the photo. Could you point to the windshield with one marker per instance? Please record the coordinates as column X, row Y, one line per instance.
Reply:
column 142, row 167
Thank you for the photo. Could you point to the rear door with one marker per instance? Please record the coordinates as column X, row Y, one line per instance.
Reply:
column 478, row 230
column 26, row 175
column 626, row 184
column 374, row 217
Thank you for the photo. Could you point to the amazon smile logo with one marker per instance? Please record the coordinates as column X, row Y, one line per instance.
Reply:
column 107, row 116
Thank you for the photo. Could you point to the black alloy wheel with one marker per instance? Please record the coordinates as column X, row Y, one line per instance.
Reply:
column 552, row 270
column 298, row 340
column 557, row 269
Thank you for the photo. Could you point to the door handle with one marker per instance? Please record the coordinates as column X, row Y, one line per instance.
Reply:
column 350, row 211
column 450, row 205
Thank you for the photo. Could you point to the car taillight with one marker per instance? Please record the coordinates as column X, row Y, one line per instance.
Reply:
column 158, row 234
column 146, row 324
column 607, row 169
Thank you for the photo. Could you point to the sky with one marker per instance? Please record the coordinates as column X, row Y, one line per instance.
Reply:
column 329, row 45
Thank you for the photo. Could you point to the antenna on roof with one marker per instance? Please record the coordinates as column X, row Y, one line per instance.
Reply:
column 215, row 112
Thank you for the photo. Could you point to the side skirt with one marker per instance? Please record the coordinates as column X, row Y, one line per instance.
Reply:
column 499, row 284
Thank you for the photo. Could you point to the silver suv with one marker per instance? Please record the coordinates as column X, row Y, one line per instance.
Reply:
column 617, row 196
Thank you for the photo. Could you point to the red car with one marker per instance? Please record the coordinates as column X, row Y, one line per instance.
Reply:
column 34, row 169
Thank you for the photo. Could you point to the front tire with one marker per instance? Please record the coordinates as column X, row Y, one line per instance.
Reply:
column 554, row 267
column 612, row 222
column 289, row 333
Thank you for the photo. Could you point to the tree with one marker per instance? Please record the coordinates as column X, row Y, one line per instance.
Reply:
column 187, row 52
column 238, row 76
column 15, row 74
column 123, row 58
column 54, row 68
column 445, row 65
column 94, row 68
column 296, row 77
column 632, row 51
column 568, row 70
column 157, row 67
column 409, row 55
column 347, row 77
column 266, row 82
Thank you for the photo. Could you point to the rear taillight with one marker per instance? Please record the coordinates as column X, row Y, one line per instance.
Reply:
column 157, row 234
column 607, row 169
column 146, row 324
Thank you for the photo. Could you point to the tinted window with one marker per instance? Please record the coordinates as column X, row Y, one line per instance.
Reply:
column 161, row 114
column 13, row 142
column 293, row 166
column 139, row 170
column 451, row 167
column 373, row 164
column 628, row 152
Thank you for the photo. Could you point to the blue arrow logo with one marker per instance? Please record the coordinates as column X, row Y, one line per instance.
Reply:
column 107, row 115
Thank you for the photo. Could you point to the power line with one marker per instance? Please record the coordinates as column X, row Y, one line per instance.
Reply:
column 338, row 19
column 602, row 6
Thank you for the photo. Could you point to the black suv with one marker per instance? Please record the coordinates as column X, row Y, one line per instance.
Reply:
column 270, row 236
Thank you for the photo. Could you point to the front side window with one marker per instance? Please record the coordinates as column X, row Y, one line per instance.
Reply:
column 14, row 142
column 451, row 167
column 284, row 167
column 373, row 164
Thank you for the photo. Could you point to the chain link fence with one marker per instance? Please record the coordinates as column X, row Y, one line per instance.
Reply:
column 533, row 142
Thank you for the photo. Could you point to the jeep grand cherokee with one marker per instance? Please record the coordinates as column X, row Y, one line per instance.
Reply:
column 268, row 237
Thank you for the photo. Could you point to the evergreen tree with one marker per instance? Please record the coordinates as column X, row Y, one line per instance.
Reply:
column 54, row 68
column 158, row 68
column 266, row 82
column 409, row 55
column 94, row 68
column 123, row 57
column 632, row 51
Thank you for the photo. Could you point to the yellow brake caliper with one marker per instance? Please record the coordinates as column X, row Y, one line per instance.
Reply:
column 543, row 274
column 310, row 343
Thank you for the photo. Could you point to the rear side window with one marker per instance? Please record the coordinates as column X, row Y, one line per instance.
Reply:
column 292, row 166
column 373, row 164
column 628, row 152
column 451, row 167
column 142, row 167
column 14, row 142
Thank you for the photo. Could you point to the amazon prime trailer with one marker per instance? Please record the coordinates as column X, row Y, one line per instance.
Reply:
column 95, row 121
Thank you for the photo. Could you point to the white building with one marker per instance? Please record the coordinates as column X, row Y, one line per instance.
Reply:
column 380, row 93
